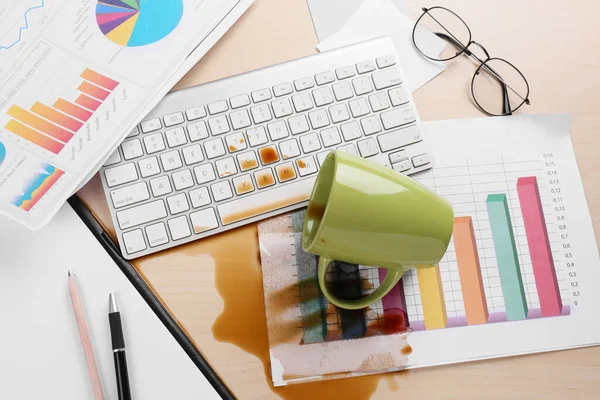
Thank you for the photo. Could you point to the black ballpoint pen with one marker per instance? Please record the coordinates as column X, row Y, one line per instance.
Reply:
column 118, row 348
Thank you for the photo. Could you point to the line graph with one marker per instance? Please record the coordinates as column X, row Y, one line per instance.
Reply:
column 22, row 28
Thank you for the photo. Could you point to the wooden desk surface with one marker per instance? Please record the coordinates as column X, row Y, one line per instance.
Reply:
column 213, row 287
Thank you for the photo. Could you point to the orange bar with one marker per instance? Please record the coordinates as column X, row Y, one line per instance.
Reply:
column 469, row 271
column 75, row 111
column 34, row 137
column 40, row 124
column 93, row 91
column 56, row 117
column 99, row 79
column 88, row 102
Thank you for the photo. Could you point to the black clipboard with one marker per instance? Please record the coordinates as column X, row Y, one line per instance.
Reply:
column 150, row 298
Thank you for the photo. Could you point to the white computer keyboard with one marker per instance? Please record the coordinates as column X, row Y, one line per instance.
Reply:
column 216, row 156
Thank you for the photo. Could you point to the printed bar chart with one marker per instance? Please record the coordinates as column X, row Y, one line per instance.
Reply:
column 57, row 117
column 40, row 124
column 93, row 91
column 34, row 136
column 71, row 109
column 432, row 294
column 99, row 79
column 88, row 102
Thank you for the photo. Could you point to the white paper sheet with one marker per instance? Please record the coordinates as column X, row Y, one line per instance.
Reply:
column 42, row 356
column 375, row 18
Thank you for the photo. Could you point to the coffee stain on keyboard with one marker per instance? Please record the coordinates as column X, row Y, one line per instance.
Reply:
column 253, row 212
column 248, row 164
column 269, row 155
column 244, row 187
column 301, row 164
column 232, row 148
column 200, row 229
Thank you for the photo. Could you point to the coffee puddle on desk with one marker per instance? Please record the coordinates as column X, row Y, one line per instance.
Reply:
column 243, row 320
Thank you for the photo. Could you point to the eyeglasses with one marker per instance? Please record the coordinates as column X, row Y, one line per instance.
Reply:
column 498, row 87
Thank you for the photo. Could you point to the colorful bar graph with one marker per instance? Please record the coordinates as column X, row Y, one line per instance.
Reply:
column 40, row 124
column 88, row 102
column 99, row 79
column 539, row 246
column 34, row 136
column 75, row 111
column 507, row 257
column 395, row 317
column 57, row 117
column 93, row 90
column 469, row 271
column 432, row 297
column 37, row 186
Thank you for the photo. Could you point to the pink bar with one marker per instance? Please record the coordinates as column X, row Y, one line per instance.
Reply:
column 395, row 316
column 539, row 246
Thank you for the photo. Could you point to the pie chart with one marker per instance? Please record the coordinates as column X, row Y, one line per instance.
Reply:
column 134, row 23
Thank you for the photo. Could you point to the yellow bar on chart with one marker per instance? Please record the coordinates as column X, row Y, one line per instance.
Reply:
column 432, row 297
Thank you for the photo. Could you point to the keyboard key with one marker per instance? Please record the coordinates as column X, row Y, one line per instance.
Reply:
column 114, row 158
column 154, row 143
column 282, row 108
column 176, row 137
column 173, row 119
column 178, row 203
column 268, row 155
column 240, row 119
column 265, row 201
column 130, row 195
column 239, row 101
column 342, row 91
column 318, row 118
column 385, row 61
column 183, row 179
column 161, row 186
column 289, row 149
column 370, row 125
column 359, row 107
column 197, row 131
column 285, row 172
column 141, row 214
column 310, row 143
column 351, row 131
column 368, row 147
column 321, row 157
column 362, row 85
column 261, row 114
column 192, row 154
column 149, row 167
column 302, row 102
column 218, row 125
column 214, row 148
column 330, row 137
column 348, row 148
column 398, row 117
column 257, row 136
column 221, row 191
column 402, row 166
column 134, row 132
column 324, row 78
column 264, row 178
column 322, row 96
column 399, row 138
column 306, row 166
column 236, row 142
column 243, row 184
column 204, row 173
column 379, row 101
column 132, row 149
column 398, row 96
column 339, row 113
column 398, row 156
column 386, row 78
column 121, row 174
column 195, row 113
column 247, row 161
column 421, row 160
column 298, row 124
column 283, row 89
column 200, row 197
column 134, row 241
column 345, row 72
column 204, row 220
column 261, row 95
column 304, row 83
column 179, row 228
column 218, row 107
column 278, row 130
column 151, row 125
column 157, row 234
column 171, row 160
column 226, row 167
column 365, row 66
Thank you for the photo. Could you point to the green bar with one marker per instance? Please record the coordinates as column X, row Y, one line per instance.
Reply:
column 506, row 255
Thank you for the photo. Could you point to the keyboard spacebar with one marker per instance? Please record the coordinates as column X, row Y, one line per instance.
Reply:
column 267, row 201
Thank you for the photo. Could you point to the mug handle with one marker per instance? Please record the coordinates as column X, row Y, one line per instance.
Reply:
column 392, row 277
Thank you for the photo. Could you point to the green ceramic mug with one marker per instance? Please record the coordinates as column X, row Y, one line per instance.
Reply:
column 361, row 212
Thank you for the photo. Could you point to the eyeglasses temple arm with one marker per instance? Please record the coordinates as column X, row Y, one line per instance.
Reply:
column 455, row 42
